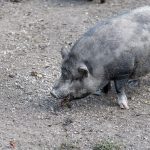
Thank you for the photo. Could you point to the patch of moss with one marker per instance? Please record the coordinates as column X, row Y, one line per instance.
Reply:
column 65, row 146
column 107, row 145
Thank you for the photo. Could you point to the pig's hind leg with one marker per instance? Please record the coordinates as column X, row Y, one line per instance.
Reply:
column 122, row 98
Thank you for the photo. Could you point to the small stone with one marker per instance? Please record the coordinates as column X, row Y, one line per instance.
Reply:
column 132, row 98
column 91, row 130
column 11, row 75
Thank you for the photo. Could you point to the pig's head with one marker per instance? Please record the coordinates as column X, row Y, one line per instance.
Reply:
column 76, row 81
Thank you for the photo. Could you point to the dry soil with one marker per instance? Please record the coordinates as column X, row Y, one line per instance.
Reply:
column 32, row 33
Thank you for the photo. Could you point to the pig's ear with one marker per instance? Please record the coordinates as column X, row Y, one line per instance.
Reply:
column 64, row 53
column 83, row 70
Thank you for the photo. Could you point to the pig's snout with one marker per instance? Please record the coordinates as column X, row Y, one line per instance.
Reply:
column 54, row 93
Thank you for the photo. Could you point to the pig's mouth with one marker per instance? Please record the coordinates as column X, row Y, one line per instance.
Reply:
column 71, row 97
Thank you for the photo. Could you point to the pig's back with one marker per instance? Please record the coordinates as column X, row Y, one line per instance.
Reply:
column 115, row 33
column 126, row 36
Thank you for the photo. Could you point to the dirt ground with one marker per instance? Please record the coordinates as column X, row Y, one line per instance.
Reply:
column 32, row 33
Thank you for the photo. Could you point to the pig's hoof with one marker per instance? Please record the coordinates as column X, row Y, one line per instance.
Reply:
column 123, row 101
column 123, row 104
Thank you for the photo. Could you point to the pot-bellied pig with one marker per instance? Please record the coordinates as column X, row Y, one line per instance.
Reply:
column 116, row 49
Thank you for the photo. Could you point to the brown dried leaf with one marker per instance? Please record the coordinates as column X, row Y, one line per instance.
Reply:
column 36, row 74
column 12, row 144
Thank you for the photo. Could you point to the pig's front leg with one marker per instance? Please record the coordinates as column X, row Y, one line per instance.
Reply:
column 122, row 98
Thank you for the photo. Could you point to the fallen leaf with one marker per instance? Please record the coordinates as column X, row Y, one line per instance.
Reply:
column 12, row 144
column 36, row 74
column 65, row 103
column 146, row 102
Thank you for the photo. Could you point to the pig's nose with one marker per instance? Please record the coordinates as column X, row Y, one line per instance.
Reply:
column 53, row 93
